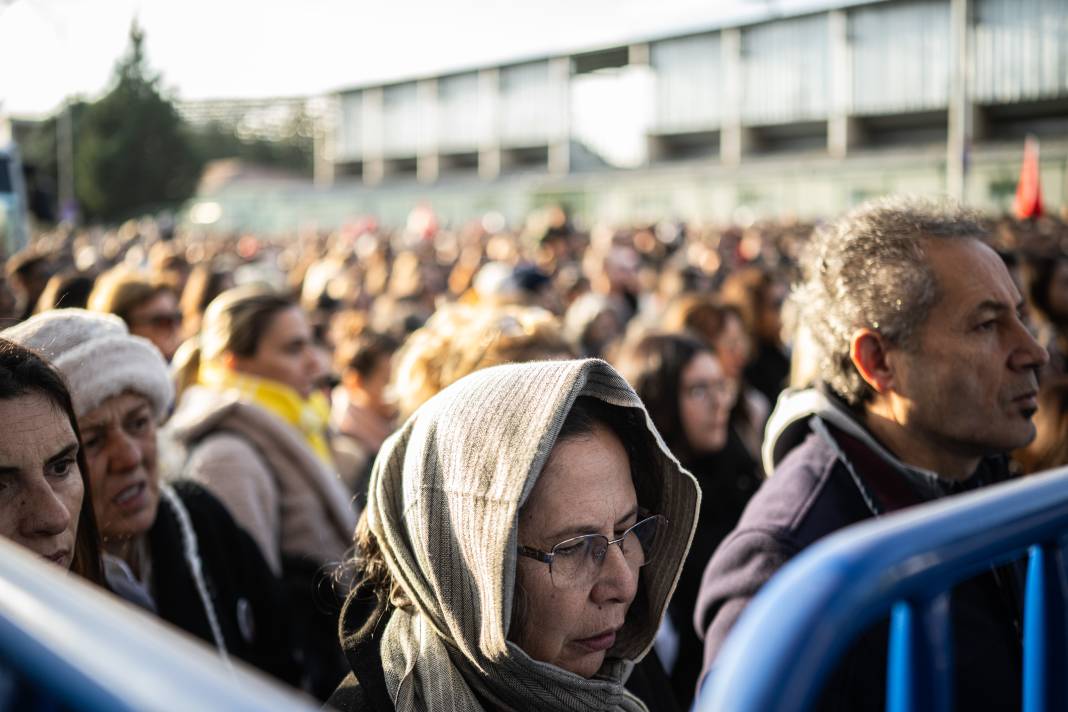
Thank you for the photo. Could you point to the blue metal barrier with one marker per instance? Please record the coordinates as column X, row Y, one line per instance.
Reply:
column 793, row 633
column 65, row 645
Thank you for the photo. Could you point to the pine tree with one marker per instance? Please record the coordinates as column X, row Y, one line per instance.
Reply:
column 132, row 151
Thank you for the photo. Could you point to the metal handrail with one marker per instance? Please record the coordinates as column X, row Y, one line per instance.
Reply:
column 64, row 641
column 793, row 633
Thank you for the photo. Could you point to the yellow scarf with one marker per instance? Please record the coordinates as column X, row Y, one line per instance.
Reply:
column 309, row 416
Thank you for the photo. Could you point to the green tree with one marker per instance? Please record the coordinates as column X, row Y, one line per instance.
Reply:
column 132, row 149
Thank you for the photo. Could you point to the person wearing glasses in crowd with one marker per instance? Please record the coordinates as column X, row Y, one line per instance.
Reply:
column 683, row 385
column 523, row 532
column 147, row 304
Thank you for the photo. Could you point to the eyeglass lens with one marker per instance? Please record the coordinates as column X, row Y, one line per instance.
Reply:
column 577, row 561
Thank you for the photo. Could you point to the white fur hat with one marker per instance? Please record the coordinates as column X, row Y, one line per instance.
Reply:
column 98, row 356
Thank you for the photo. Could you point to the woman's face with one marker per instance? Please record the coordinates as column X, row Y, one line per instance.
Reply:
column 732, row 347
column 119, row 437
column 285, row 353
column 704, row 403
column 159, row 321
column 585, row 488
column 372, row 388
column 40, row 484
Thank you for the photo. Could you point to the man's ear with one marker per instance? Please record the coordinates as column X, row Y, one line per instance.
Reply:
column 868, row 350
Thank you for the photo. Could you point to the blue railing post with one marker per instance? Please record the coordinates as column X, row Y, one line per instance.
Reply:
column 801, row 623
column 1045, row 675
column 919, row 665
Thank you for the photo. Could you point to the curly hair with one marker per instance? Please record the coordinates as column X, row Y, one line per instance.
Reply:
column 869, row 269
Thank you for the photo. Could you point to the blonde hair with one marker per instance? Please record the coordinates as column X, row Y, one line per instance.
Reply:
column 462, row 338
column 699, row 314
column 234, row 322
column 120, row 290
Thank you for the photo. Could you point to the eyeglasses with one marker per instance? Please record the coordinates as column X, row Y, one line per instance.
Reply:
column 167, row 320
column 707, row 390
column 576, row 562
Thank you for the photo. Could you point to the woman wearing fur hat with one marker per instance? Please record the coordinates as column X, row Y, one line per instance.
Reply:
column 176, row 544
column 253, row 427
column 523, row 533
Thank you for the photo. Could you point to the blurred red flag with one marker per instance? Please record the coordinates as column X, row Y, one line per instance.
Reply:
column 1029, row 189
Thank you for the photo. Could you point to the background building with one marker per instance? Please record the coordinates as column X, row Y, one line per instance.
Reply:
column 804, row 114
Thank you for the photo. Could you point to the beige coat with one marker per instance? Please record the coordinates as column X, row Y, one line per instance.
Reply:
column 288, row 500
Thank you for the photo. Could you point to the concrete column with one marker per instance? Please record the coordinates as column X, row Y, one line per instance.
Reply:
column 324, row 142
column 489, row 109
column 374, row 165
column 428, row 162
column 962, row 111
column 735, row 139
column 843, row 131
column 560, row 139
column 638, row 54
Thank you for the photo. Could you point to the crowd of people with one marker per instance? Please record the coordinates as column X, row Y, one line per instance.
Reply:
column 391, row 467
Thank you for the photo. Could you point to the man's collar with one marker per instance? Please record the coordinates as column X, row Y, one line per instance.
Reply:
column 926, row 483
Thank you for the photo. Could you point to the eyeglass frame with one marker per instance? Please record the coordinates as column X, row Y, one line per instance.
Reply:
column 547, row 557
column 705, row 391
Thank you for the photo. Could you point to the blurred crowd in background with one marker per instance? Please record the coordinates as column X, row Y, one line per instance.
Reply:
column 378, row 320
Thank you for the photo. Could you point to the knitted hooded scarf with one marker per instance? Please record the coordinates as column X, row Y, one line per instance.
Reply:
column 443, row 504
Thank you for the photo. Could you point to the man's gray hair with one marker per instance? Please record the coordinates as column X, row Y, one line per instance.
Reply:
column 869, row 269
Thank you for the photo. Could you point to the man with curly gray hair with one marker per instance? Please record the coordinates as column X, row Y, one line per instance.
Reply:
column 926, row 375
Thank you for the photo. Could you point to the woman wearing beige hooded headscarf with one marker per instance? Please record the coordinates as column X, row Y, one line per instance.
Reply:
column 489, row 547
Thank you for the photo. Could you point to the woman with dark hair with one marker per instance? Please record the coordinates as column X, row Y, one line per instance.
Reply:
column 681, row 383
column 171, row 546
column 68, row 289
column 362, row 415
column 722, row 327
column 45, row 502
column 523, row 532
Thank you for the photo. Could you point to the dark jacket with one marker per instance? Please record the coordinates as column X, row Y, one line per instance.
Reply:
column 837, row 477
column 728, row 479
column 768, row 370
column 364, row 688
column 244, row 594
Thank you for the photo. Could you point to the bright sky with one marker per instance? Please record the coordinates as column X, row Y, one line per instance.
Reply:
column 261, row 48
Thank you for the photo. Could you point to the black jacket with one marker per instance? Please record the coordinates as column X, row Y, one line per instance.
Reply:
column 728, row 479
column 811, row 495
column 245, row 595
